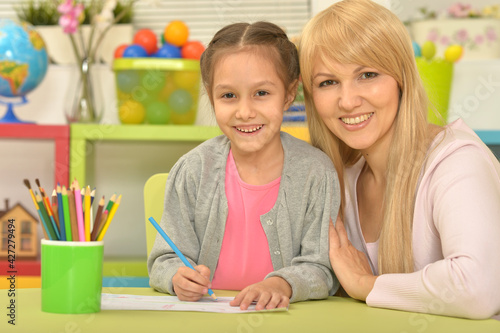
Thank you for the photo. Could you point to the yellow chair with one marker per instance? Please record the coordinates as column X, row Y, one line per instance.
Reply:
column 154, row 195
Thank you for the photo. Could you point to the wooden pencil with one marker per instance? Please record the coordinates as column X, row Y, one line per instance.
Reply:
column 60, row 209
column 79, row 212
column 87, row 213
column 48, row 208
column 67, row 218
column 44, row 224
column 54, row 207
column 50, row 229
column 72, row 215
column 109, row 218
column 98, row 219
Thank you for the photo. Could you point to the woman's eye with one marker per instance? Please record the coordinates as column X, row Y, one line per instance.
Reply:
column 327, row 83
column 369, row 75
column 262, row 93
column 228, row 95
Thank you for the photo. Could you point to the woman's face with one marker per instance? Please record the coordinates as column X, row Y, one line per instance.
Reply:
column 358, row 104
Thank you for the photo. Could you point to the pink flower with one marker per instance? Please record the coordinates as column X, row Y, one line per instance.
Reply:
column 491, row 34
column 445, row 40
column 462, row 35
column 459, row 10
column 479, row 39
column 433, row 35
column 71, row 15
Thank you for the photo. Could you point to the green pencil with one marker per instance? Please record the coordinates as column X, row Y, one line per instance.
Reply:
column 67, row 218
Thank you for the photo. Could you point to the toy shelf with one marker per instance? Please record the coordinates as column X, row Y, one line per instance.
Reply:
column 58, row 133
column 83, row 136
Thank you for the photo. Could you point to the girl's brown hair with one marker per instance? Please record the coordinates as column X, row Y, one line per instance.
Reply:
column 260, row 36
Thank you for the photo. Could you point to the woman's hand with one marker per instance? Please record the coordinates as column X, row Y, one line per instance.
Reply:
column 191, row 285
column 350, row 265
column 273, row 292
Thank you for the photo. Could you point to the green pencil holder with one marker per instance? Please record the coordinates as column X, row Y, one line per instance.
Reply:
column 437, row 76
column 71, row 276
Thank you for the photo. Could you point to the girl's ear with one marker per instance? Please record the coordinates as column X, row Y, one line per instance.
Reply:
column 291, row 93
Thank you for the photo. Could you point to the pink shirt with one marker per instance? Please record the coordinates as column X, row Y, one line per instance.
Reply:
column 456, row 232
column 244, row 257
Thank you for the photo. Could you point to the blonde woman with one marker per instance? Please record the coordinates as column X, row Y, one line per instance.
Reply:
column 419, row 226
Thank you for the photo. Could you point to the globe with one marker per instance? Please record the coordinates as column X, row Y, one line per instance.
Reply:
column 23, row 62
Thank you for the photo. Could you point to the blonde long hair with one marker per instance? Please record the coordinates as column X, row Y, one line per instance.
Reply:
column 364, row 33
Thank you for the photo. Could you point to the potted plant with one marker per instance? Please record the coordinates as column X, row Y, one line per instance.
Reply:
column 477, row 31
column 44, row 16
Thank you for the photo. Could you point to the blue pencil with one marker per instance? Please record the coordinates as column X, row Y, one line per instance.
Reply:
column 61, row 213
column 176, row 250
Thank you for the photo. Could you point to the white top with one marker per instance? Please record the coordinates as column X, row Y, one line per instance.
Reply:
column 456, row 232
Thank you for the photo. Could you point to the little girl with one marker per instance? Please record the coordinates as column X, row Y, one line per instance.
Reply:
column 249, row 209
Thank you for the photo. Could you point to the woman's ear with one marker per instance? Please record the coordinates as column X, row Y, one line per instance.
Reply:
column 291, row 93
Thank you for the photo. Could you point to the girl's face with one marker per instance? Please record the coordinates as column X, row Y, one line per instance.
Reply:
column 358, row 104
column 249, row 99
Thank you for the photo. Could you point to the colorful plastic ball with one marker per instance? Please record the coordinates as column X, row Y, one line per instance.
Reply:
column 127, row 80
column 416, row 49
column 131, row 112
column 180, row 101
column 168, row 51
column 428, row 50
column 147, row 39
column 119, row 51
column 192, row 50
column 153, row 81
column 176, row 33
column 157, row 113
column 186, row 79
column 135, row 51
column 453, row 53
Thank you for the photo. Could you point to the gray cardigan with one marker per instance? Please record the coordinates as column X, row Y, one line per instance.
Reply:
column 296, row 227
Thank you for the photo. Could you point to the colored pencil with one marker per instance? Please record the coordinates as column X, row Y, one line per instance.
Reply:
column 72, row 215
column 92, row 196
column 67, row 218
column 54, row 207
column 98, row 219
column 79, row 212
column 50, row 229
column 44, row 224
column 48, row 209
column 87, row 213
column 109, row 218
column 176, row 250
column 60, row 209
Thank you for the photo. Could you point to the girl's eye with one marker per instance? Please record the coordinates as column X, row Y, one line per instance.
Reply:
column 262, row 93
column 228, row 95
column 327, row 83
column 369, row 75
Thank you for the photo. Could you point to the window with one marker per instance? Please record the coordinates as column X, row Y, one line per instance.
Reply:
column 26, row 227
column 26, row 244
column 205, row 17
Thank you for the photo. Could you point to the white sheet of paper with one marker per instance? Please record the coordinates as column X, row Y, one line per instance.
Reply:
column 172, row 303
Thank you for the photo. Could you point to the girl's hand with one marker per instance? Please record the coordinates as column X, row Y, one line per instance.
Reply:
column 191, row 285
column 271, row 293
column 350, row 265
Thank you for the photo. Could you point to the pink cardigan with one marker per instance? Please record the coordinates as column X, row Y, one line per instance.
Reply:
column 456, row 232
